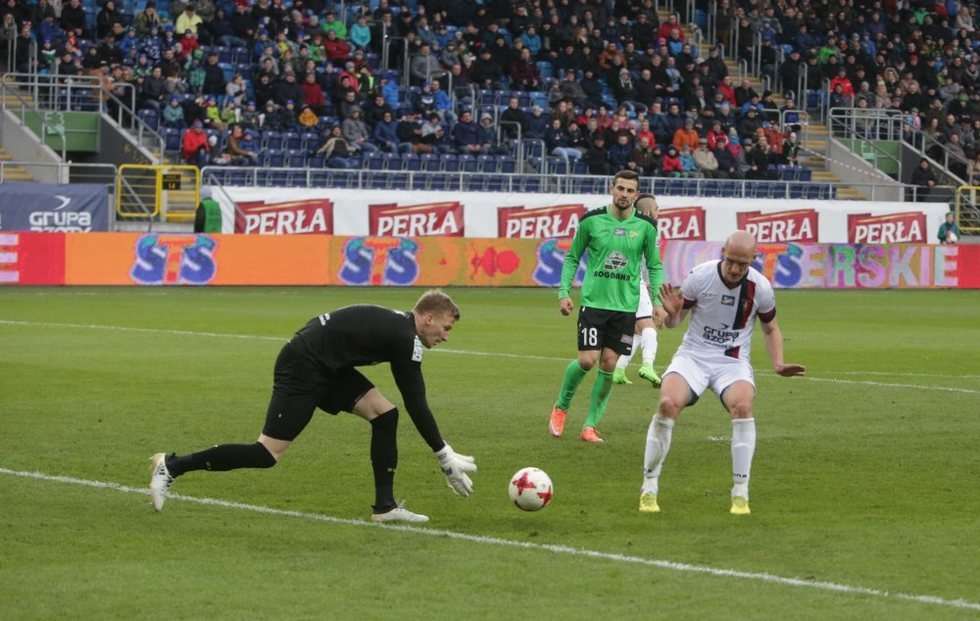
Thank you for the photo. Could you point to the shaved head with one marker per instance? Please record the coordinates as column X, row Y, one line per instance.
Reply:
column 646, row 204
column 737, row 257
column 741, row 242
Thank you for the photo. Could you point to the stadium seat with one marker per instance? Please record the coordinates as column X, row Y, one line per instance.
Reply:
column 450, row 162
column 411, row 162
column 295, row 158
column 272, row 140
column 292, row 140
column 467, row 163
column 486, row 164
column 274, row 158
column 377, row 161
column 431, row 162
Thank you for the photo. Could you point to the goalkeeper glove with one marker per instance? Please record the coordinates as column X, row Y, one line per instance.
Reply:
column 455, row 467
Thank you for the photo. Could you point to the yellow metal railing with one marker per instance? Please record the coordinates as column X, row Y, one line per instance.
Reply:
column 146, row 191
column 967, row 208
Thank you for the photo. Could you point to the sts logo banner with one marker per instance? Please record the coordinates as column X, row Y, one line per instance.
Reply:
column 380, row 261
column 174, row 260
column 551, row 255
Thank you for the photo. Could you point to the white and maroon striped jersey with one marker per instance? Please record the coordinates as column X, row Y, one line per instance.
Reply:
column 721, row 317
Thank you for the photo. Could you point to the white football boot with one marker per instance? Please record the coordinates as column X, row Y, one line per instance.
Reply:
column 160, row 480
column 399, row 514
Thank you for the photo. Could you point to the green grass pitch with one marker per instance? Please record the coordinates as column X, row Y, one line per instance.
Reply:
column 865, row 478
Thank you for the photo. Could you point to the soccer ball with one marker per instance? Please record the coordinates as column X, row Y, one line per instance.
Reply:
column 530, row 489
column 951, row 237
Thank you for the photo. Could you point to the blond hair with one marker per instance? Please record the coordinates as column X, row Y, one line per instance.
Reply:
column 436, row 301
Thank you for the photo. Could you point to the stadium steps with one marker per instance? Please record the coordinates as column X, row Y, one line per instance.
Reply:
column 13, row 173
column 816, row 136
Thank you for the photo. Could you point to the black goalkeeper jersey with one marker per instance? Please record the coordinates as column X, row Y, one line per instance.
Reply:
column 365, row 334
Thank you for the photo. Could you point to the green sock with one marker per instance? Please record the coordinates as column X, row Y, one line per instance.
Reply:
column 569, row 384
column 599, row 399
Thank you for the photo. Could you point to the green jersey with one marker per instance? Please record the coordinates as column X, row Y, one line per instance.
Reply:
column 616, row 249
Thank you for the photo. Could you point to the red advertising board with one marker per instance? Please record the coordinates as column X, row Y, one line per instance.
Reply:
column 32, row 258
column 276, row 218
column 425, row 220
column 775, row 227
column 539, row 222
column 893, row 228
column 681, row 223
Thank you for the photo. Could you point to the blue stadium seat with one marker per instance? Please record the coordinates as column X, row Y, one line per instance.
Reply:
column 172, row 136
column 486, row 164
column 274, row 158
column 467, row 163
column 150, row 117
column 292, row 140
column 310, row 141
column 411, row 161
column 377, row 161
column 272, row 140
column 295, row 158
column 450, row 162
column 431, row 162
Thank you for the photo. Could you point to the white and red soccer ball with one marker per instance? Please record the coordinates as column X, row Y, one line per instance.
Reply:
column 530, row 489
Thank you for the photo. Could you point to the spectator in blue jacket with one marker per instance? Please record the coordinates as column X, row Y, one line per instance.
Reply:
column 466, row 135
column 385, row 132
column 389, row 88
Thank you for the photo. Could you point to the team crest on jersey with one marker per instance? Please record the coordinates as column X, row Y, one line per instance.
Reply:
column 417, row 351
column 615, row 261
column 728, row 300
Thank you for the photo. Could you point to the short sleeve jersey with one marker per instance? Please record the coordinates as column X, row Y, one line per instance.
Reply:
column 722, row 318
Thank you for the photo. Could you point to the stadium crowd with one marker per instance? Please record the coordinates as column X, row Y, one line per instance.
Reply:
column 603, row 84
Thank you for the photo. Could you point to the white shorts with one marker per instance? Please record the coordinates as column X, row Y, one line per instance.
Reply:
column 645, row 309
column 710, row 370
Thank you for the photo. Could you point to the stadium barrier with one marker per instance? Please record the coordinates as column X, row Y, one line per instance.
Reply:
column 217, row 259
column 144, row 191
column 534, row 216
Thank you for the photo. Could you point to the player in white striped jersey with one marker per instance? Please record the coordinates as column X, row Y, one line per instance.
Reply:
column 724, row 298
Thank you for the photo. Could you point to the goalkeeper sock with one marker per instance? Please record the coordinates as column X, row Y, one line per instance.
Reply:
column 743, row 448
column 624, row 360
column 599, row 399
column 648, row 340
column 384, row 459
column 222, row 458
column 658, row 445
column 569, row 384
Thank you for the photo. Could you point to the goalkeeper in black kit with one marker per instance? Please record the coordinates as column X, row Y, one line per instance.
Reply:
column 318, row 368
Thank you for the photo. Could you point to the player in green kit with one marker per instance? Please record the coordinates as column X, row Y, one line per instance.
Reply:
column 616, row 238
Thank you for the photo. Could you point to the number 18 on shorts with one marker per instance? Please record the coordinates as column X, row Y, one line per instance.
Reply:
column 599, row 328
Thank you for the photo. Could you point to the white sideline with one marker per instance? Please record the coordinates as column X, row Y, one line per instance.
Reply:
column 496, row 541
column 464, row 352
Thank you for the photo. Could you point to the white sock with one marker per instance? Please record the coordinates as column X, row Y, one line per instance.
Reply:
column 658, row 445
column 743, row 447
column 648, row 338
column 624, row 360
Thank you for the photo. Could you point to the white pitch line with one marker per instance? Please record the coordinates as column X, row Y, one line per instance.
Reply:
column 511, row 543
column 464, row 352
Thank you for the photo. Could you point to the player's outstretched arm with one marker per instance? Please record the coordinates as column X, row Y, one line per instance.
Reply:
column 673, row 304
column 774, row 345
